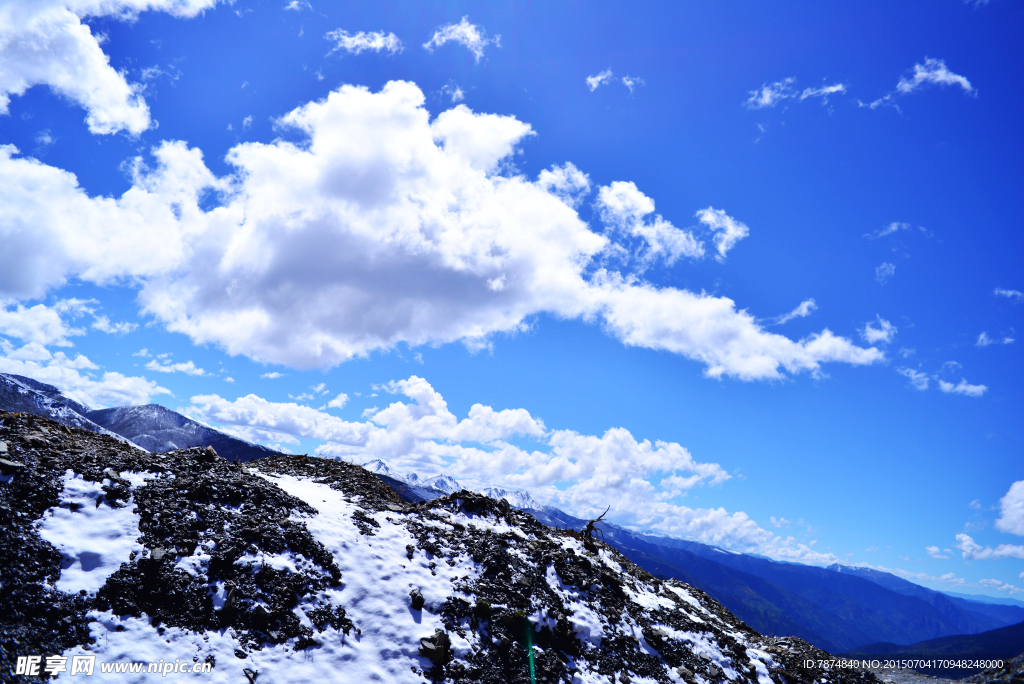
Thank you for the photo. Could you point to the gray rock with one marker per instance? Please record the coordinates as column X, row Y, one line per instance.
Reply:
column 10, row 467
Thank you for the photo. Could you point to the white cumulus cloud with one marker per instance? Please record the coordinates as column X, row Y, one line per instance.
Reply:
column 382, row 227
column 75, row 376
column 44, row 42
column 963, row 387
column 972, row 550
column 728, row 231
column 623, row 207
column 1011, row 510
column 186, row 367
column 472, row 37
column 936, row 552
column 878, row 331
column 579, row 472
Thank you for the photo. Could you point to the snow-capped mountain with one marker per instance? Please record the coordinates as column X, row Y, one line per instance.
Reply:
column 21, row 394
column 517, row 498
column 151, row 427
column 440, row 485
column 297, row 569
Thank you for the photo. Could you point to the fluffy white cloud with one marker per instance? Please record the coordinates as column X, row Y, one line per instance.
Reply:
column 376, row 41
column 48, row 326
column 39, row 324
column 803, row 309
column 710, row 330
column 623, row 207
column 918, row 379
column 972, row 550
column 884, row 272
column 44, row 42
column 936, row 552
column 728, row 231
column 73, row 376
column 1011, row 510
column 883, row 333
column 472, row 37
column 962, row 387
column 582, row 473
column 566, row 182
column 383, row 227
column 603, row 78
column 186, row 367
column 1012, row 295
column 103, row 324
column 338, row 401
column 933, row 71
column 50, row 229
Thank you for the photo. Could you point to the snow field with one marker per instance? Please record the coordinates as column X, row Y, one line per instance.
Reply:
column 93, row 537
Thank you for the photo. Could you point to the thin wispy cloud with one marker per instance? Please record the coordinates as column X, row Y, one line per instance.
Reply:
column 931, row 72
column 598, row 80
column 771, row 94
column 376, row 41
column 470, row 36
column 894, row 228
column 803, row 310
column 884, row 272
column 1013, row 295
column 453, row 91
column 918, row 380
column 631, row 82
column 984, row 340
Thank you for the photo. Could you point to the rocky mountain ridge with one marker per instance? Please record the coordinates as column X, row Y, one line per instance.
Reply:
column 288, row 567
column 152, row 427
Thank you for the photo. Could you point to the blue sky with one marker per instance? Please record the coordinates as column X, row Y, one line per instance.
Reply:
column 751, row 275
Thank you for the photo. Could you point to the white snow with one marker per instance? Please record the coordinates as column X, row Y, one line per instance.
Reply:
column 94, row 539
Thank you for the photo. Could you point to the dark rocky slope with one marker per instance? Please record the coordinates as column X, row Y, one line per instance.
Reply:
column 289, row 566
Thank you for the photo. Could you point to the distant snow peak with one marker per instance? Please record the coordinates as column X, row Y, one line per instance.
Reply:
column 449, row 485
column 517, row 498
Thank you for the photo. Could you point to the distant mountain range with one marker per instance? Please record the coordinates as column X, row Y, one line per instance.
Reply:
column 152, row 427
column 837, row 608
column 1002, row 644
